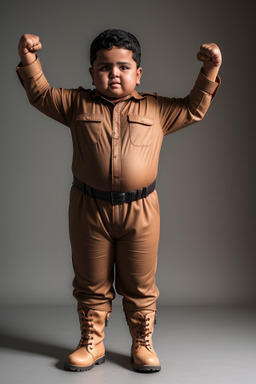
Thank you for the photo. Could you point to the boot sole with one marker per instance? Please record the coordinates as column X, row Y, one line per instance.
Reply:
column 78, row 368
column 146, row 368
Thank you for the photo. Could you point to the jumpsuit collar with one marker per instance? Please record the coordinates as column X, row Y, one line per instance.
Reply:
column 134, row 95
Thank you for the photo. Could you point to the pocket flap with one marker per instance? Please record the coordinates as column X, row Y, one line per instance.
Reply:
column 140, row 119
column 90, row 117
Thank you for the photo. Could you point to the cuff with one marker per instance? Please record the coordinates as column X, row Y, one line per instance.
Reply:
column 30, row 70
column 207, row 85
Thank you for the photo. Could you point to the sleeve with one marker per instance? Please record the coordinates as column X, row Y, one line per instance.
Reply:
column 176, row 113
column 56, row 103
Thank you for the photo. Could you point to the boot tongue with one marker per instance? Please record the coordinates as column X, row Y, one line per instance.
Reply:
column 144, row 313
column 89, row 312
column 85, row 311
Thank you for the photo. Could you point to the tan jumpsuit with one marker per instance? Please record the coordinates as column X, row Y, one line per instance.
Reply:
column 116, row 147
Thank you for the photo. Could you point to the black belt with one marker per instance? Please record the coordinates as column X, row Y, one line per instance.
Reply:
column 115, row 197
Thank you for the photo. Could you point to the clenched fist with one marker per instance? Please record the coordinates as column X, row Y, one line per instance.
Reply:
column 28, row 45
column 211, row 56
column 210, row 53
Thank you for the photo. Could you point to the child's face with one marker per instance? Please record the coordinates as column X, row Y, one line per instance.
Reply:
column 115, row 73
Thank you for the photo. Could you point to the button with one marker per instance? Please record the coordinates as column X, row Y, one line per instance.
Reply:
column 115, row 135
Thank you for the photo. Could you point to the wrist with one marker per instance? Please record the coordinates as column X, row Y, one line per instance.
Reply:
column 27, row 58
column 210, row 71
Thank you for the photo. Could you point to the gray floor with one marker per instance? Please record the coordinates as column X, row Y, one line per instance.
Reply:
column 209, row 345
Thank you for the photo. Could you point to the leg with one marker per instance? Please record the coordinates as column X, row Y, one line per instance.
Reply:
column 136, row 261
column 92, row 252
column 136, row 254
column 93, row 258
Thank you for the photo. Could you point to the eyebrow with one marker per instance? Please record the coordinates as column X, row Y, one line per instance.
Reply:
column 109, row 63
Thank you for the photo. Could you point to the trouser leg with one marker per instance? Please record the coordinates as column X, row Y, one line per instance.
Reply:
column 136, row 254
column 92, row 252
column 136, row 263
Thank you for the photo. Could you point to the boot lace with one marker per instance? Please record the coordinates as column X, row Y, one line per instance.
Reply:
column 86, row 331
column 143, row 332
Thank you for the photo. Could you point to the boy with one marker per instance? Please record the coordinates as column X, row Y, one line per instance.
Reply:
column 114, row 215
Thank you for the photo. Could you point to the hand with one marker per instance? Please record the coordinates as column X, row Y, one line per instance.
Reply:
column 210, row 54
column 28, row 45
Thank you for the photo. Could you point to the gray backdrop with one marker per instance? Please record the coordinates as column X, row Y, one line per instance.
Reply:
column 206, row 181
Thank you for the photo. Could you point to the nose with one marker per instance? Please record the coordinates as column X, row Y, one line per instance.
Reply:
column 114, row 72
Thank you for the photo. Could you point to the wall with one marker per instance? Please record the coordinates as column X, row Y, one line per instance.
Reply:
column 206, row 181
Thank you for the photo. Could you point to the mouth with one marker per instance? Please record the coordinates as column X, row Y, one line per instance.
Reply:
column 114, row 83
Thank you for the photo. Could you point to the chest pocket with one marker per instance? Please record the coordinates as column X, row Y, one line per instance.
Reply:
column 141, row 130
column 90, row 127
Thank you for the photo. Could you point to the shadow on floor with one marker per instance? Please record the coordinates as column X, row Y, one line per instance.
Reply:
column 119, row 359
column 18, row 343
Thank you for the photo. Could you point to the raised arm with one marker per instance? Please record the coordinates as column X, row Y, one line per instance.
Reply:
column 181, row 112
column 56, row 103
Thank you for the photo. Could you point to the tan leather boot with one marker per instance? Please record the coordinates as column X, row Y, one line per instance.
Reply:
column 141, row 325
column 90, row 350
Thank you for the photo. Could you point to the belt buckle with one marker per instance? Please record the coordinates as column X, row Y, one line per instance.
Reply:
column 117, row 197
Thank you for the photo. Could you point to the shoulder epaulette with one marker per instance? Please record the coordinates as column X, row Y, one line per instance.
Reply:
column 148, row 94
column 84, row 89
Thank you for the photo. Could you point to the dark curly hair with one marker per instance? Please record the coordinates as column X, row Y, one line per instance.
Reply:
column 116, row 38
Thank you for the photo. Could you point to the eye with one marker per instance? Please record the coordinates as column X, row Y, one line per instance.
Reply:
column 124, row 67
column 104, row 68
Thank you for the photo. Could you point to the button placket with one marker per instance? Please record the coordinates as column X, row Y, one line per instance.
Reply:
column 116, row 149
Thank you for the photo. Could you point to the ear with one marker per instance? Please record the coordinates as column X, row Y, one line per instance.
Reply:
column 139, row 74
column 92, row 74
